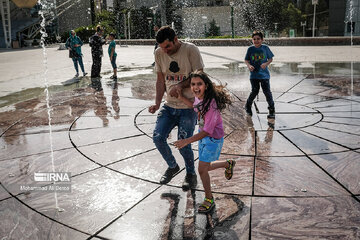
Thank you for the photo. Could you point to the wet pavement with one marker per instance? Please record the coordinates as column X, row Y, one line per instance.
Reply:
column 297, row 177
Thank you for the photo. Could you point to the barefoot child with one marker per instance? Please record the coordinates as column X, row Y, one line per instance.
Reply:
column 210, row 99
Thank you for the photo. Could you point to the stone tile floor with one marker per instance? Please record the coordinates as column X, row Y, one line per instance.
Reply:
column 297, row 177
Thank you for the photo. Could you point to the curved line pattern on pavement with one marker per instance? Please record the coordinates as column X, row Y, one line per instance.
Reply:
column 282, row 132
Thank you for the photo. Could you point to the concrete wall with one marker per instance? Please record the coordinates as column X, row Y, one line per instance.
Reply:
column 76, row 14
column 193, row 22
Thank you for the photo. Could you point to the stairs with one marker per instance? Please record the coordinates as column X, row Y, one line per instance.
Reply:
column 16, row 27
column 21, row 20
column 26, row 21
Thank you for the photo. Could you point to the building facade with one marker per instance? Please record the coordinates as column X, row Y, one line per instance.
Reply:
column 337, row 11
column 344, row 18
column 60, row 16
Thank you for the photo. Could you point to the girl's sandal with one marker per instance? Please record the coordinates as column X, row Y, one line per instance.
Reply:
column 230, row 170
column 206, row 206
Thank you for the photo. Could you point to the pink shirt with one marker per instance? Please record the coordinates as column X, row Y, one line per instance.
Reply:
column 212, row 122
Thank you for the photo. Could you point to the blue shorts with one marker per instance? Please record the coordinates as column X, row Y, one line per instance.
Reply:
column 113, row 62
column 210, row 149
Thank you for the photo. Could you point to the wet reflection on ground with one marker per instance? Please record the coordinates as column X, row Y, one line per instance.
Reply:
column 297, row 168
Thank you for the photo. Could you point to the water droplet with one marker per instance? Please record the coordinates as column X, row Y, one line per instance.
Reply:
column 11, row 175
column 60, row 209
column 303, row 190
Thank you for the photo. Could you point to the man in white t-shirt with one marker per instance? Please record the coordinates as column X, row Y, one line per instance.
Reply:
column 174, row 61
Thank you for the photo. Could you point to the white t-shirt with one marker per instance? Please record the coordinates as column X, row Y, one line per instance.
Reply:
column 177, row 68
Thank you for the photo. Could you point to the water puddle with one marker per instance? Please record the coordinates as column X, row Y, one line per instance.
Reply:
column 231, row 74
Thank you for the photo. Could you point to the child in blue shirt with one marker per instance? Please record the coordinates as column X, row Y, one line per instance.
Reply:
column 112, row 54
column 257, row 59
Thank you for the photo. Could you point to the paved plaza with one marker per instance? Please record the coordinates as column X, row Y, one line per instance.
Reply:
column 296, row 177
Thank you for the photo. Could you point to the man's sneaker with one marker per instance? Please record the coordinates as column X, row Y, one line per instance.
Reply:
column 84, row 74
column 271, row 113
column 169, row 174
column 190, row 182
column 248, row 110
column 77, row 74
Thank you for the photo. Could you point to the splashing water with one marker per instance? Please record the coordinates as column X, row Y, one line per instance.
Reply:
column 46, row 82
column 351, row 11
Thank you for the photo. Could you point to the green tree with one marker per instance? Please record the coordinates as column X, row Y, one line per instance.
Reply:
column 295, row 17
column 172, row 16
column 107, row 20
column 119, row 20
column 85, row 33
column 140, row 27
column 170, row 10
column 213, row 29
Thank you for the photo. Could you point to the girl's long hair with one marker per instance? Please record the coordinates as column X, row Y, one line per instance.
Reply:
column 212, row 91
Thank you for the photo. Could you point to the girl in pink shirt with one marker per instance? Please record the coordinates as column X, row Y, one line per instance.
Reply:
column 210, row 99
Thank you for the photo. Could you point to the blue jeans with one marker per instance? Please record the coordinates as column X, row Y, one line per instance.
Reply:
column 76, row 60
column 167, row 119
column 255, row 88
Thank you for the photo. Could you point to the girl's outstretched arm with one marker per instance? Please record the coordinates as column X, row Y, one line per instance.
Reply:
column 183, row 142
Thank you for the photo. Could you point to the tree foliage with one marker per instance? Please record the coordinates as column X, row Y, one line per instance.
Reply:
column 140, row 26
column 172, row 16
column 213, row 29
column 295, row 17
column 85, row 33
column 107, row 20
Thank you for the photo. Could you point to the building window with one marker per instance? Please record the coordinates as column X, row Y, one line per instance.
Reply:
column 350, row 27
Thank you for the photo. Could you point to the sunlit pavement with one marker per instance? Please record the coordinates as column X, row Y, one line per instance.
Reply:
column 296, row 177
